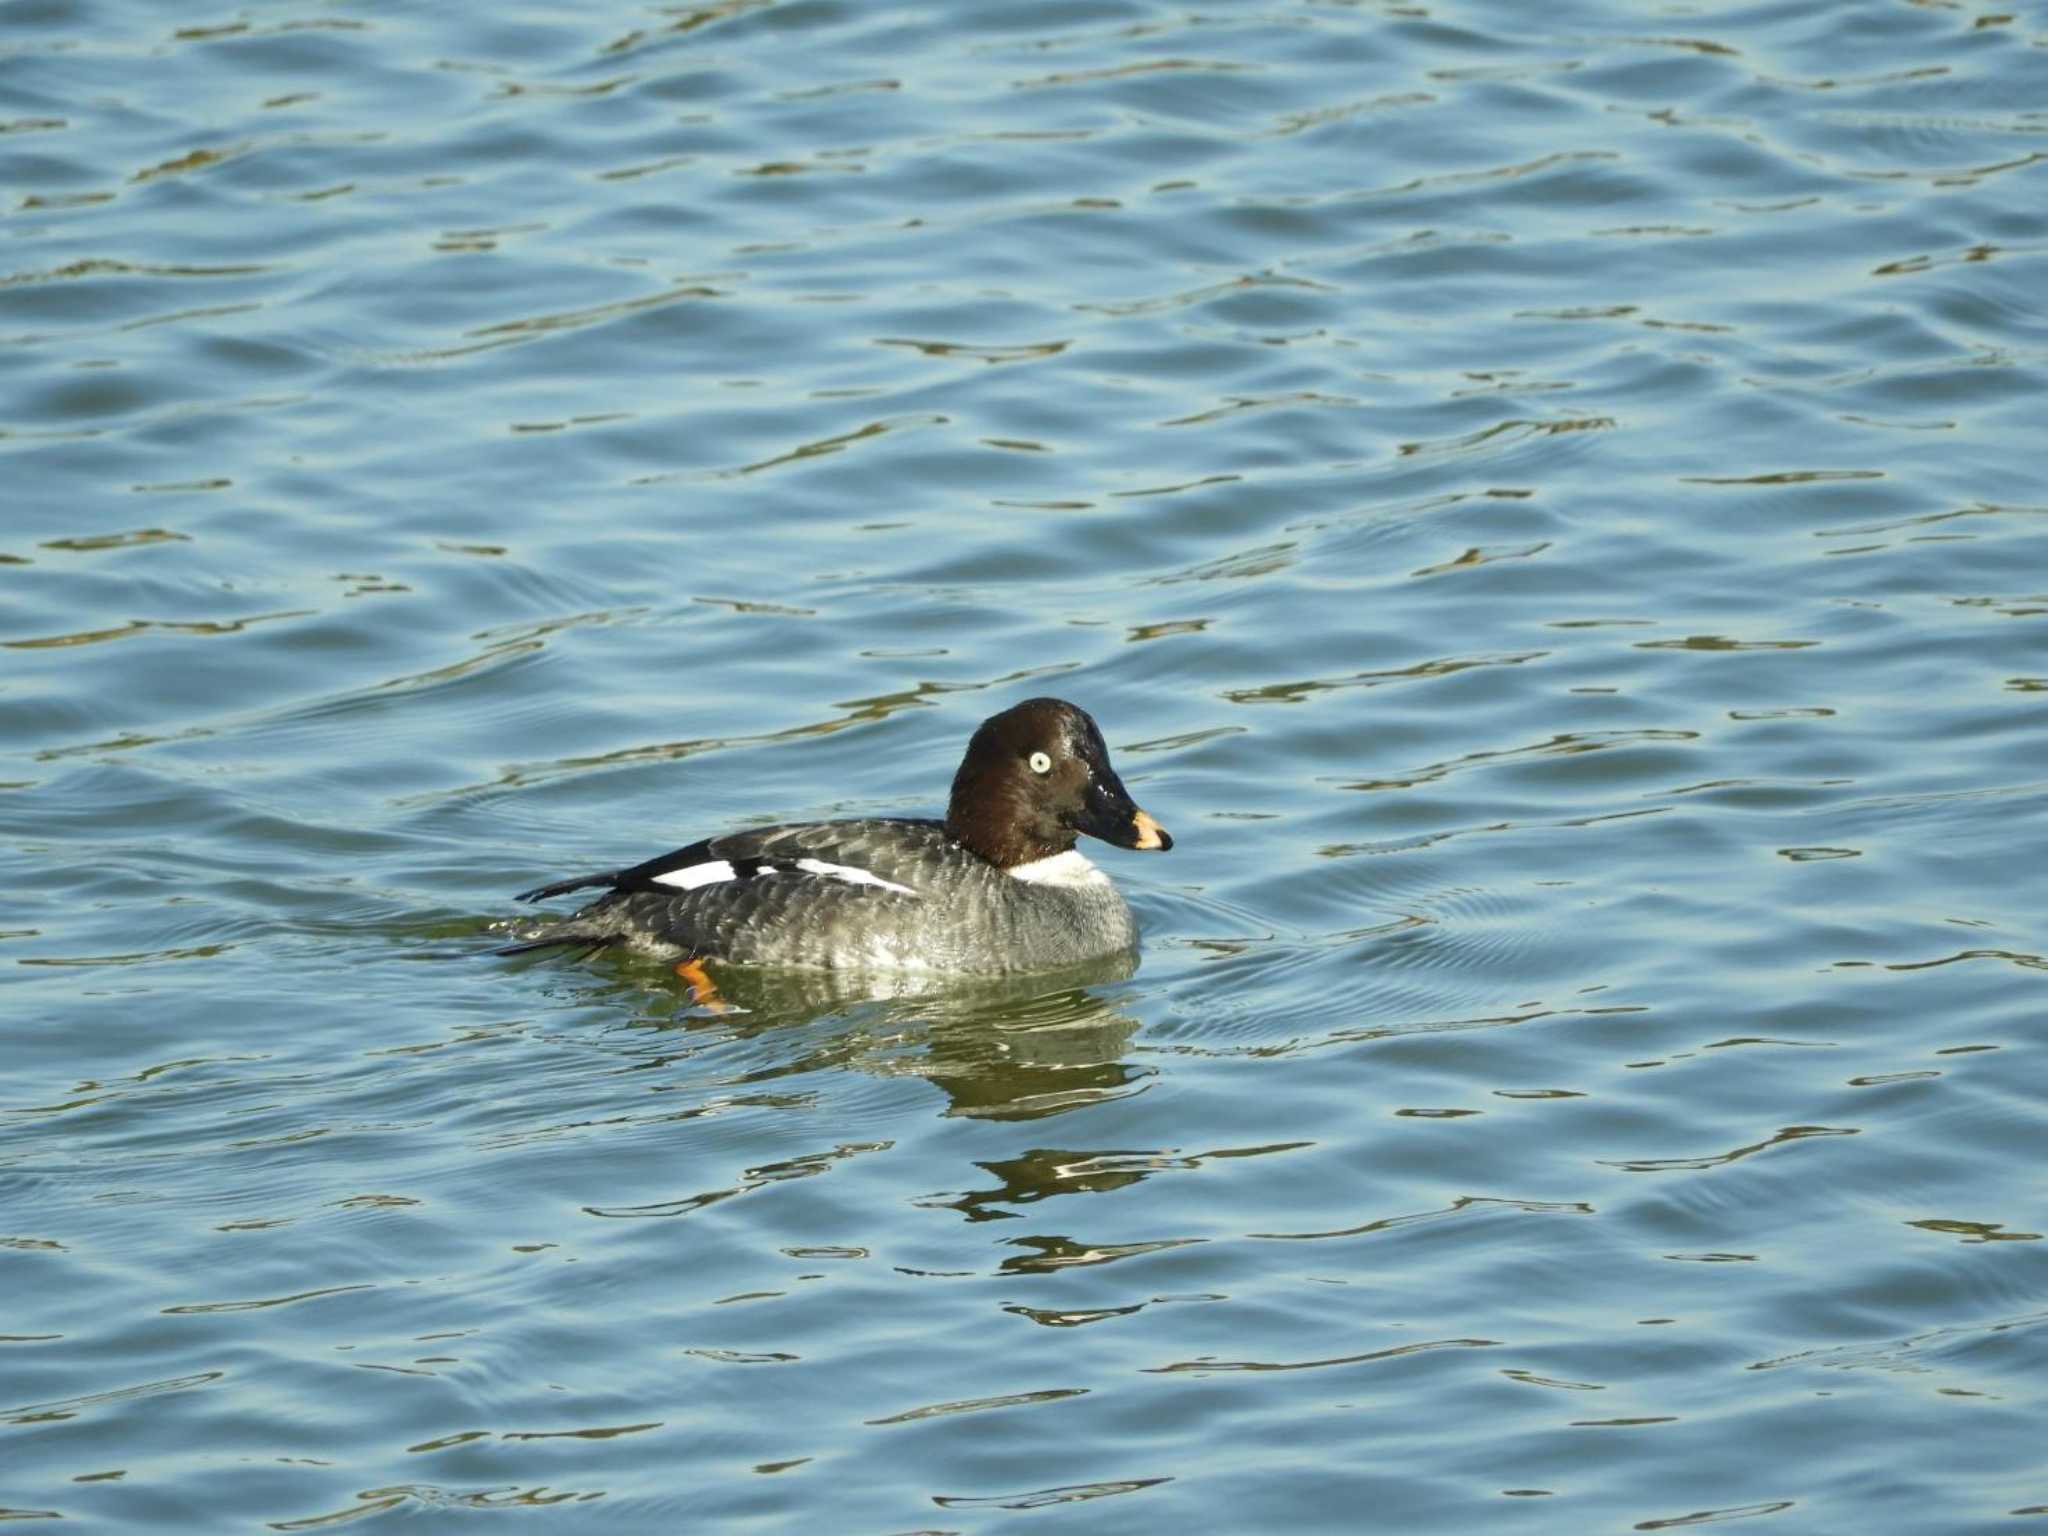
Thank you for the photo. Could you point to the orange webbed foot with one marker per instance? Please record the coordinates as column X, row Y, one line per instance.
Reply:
column 703, row 990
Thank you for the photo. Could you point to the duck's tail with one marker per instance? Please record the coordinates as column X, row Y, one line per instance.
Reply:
column 610, row 877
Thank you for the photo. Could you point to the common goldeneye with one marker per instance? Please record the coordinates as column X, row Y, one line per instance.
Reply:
column 997, row 886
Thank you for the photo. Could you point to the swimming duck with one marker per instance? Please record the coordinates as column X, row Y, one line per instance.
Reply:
column 998, row 886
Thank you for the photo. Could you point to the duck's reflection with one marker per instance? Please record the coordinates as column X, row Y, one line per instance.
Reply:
column 1008, row 1048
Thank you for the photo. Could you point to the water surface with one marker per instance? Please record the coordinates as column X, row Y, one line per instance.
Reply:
column 1545, row 504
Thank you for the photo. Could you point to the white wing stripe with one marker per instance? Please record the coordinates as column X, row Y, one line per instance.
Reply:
column 851, row 875
column 717, row 871
column 690, row 876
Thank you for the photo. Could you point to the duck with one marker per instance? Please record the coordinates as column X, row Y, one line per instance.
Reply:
column 996, row 887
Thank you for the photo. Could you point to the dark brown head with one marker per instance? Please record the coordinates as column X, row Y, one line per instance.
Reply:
column 1034, row 778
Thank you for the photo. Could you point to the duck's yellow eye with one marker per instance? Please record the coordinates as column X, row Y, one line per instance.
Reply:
column 1040, row 763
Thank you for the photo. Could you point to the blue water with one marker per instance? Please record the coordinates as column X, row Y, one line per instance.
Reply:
column 1546, row 504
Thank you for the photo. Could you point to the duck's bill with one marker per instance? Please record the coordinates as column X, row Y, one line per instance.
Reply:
column 1149, row 833
column 1114, row 817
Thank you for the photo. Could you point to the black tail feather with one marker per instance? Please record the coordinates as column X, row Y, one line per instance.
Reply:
column 573, row 883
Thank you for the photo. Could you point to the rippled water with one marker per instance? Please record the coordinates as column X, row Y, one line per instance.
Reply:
column 1546, row 503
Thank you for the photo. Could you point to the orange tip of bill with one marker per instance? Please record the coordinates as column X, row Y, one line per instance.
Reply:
column 1150, row 833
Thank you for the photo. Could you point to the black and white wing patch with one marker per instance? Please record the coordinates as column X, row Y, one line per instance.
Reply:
column 702, row 864
column 690, row 876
